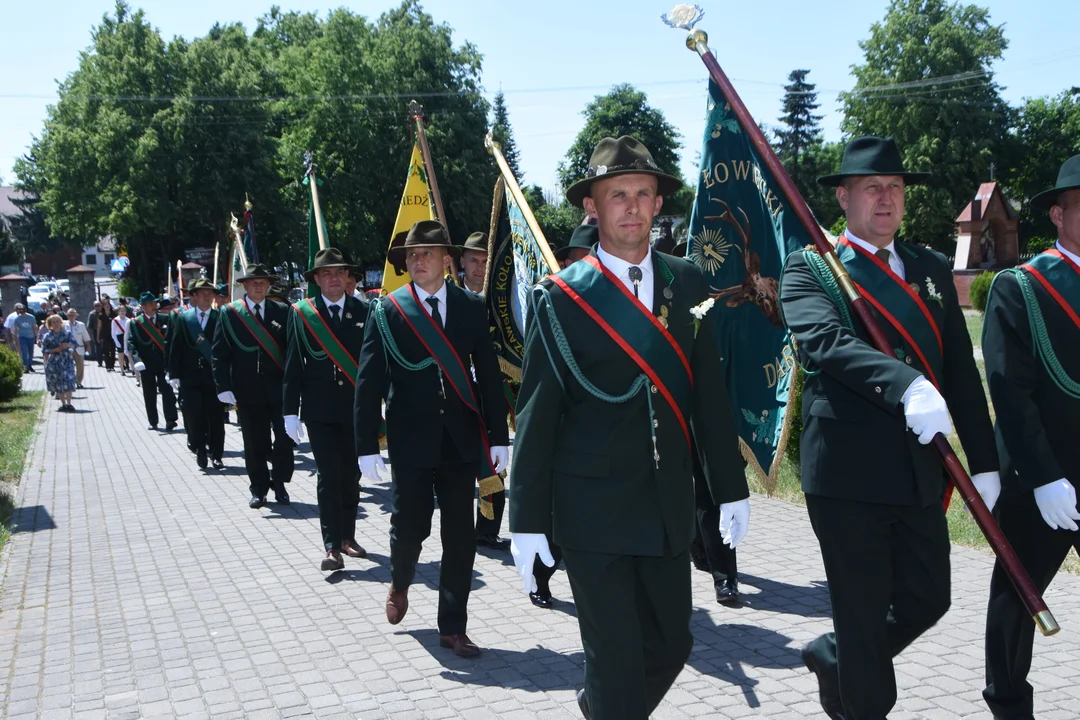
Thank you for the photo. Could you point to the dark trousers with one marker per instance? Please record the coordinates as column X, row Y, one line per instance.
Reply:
column 338, row 487
column 888, row 573
column 152, row 384
column 108, row 354
column 634, row 617
column 542, row 572
column 256, row 424
column 1010, row 631
column 412, row 506
column 491, row 527
column 202, row 419
column 722, row 560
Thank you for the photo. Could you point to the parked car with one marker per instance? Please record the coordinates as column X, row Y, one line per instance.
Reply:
column 64, row 286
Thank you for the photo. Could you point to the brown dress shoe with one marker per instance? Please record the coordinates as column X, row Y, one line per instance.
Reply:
column 332, row 561
column 397, row 604
column 460, row 644
column 352, row 549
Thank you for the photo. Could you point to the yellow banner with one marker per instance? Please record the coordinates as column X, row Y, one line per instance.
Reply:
column 415, row 206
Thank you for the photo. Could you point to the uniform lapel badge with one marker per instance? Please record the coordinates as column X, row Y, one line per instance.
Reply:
column 664, row 315
column 348, row 316
column 275, row 324
column 668, row 293
column 915, row 288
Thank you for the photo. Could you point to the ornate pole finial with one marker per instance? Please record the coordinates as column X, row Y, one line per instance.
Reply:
column 247, row 202
column 416, row 110
column 683, row 17
column 309, row 163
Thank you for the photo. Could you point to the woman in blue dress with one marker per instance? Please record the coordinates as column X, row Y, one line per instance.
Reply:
column 57, row 346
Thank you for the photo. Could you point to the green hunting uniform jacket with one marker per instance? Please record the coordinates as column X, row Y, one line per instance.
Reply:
column 583, row 468
column 1038, row 423
column 855, row 443
column 143, row 349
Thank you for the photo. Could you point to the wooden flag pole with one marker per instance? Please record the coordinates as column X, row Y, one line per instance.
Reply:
column 416, row 112
column 515, row 192
column 309, row 161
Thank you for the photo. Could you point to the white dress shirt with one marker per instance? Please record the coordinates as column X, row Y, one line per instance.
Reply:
column 203, row 316
column 621, row 269
column 262, row 306
column 1072, row 256
column 895, row 262
column 326, row 301
column 440, row 294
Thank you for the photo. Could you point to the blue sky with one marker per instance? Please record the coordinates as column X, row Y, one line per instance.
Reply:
column 552, row 57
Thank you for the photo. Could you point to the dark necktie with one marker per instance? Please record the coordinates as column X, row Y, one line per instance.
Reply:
column 434, row 303
column 883, row 255
column 335, row 319
column 258, row 311
column 635, row 277
column 202, row 319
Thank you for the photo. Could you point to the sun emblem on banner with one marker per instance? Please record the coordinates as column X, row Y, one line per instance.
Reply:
column 709, row 249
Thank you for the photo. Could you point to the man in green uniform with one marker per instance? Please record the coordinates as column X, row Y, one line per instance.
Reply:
column 616, row 374
column 324, row 335
column 1031, row 344
column 444, row 430
column 581, row 242
column 191, row 334
column 874, row 491
column 146, row 341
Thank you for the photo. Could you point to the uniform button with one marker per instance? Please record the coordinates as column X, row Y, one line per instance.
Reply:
column 340, row 382
column 877, row 389
column 908, row 359
column 653, row 389
column 656, row 423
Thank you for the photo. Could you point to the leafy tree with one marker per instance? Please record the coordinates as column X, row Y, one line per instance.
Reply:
column 801, row 127
column 1046, row 133
column 557, row 221
column 622, row 111
column 927, row 81
column 504, row 134
column 534, row 195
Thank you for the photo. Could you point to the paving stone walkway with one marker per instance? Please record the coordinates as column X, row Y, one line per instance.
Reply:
column 136, row 586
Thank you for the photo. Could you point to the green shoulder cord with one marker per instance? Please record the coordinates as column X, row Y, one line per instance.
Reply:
column 391, row 350
column 301, row 332
column 232, row 334
column 1040, row 338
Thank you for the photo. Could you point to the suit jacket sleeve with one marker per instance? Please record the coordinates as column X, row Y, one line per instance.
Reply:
column 371, row 379
column 174, row 354
column 712, row 420
column 489, row 379
column 814, row 319
column 221, row 356
column 962, row 385
column 294, row 368
column 539, row 411
column 1012, row 371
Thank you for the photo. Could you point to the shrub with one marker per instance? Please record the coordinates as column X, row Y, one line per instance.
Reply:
column 1039, row 244
column 127, row 287
column 839, row 226
column 980, row 288
column 11, row 372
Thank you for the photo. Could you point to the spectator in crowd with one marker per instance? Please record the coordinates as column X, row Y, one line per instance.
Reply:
column 78, row 331
column 105, row 341
column 10, row 337
column 25, row 329
column 92, row 328
column 118, row 330
column 58, row 347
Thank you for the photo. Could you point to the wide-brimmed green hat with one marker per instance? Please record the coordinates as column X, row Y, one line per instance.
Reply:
column 328, row 258
column 423, row 234
column 278, row 290
column 872, row 156
column 478, row 241
column 620, row 156
column 583, row 238
column 1068, row 179
column 200, row 284
column 257, row 271
column 222, row 289
column 148, row 297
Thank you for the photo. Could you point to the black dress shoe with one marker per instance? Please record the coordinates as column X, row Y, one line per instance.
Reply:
column 727, row 593
column 828, row 696
column 170, row 426
column 151, row 427
column 256, row 502
column 583, row 704
column 200, row 457
column 541, row 600
column 493, row 541
column 218, row 465
column 281, row 497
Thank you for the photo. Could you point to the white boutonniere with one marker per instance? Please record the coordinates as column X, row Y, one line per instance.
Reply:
column 275, row 324
column 699, row 311
column 932, row 292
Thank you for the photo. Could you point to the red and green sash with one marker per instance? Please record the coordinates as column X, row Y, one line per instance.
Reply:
column 897, row 302
column 262, row 337
column 1060, row 277
column 328, row 341
column 604, row 298
column 151, row 331
column 454, row 371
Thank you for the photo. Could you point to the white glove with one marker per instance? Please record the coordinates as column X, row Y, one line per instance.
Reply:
column 227, row 397
column 989, row 486
column 372, row 466
column 925, row 410
column 525, row 547
column 734, row 522
column 175, row 384
column 294, row 429
column 140, row 367
column 500, row 454
column 1057, row 503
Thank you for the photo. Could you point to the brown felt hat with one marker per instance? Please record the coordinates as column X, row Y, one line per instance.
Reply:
column 620, row 156
column 423, row 234
column 328, row 258
column 478, row 241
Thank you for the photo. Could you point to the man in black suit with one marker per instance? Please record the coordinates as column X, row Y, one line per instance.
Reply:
column 191, row 334
column 1031, row 342
column 602, row 457
column 324, row 335
column 249, row 364
column 147, row 340
column 441, row 433
column 874, row 491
